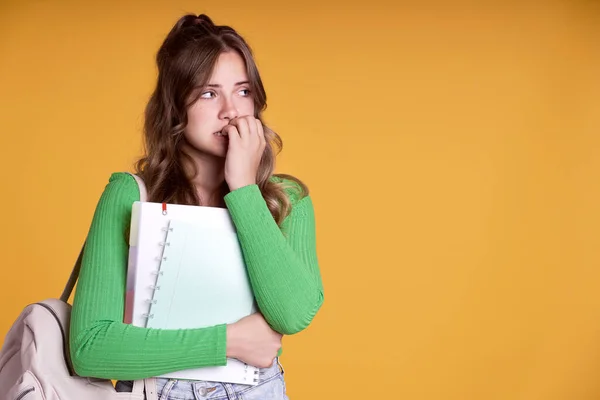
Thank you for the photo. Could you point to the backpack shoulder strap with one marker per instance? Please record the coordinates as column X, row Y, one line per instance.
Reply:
column 141, row 187
column 77, row 267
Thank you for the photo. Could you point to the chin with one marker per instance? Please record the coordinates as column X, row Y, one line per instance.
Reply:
column 216, row 153
column 222, row 154
column 212, row 151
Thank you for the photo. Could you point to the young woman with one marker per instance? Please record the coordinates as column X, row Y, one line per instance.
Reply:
column 205, row 145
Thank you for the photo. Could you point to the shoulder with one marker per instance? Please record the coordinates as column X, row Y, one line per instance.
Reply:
column 122, row 188
column 113, row 210
column 294, row 188
column 123, row 181
column 301, row 205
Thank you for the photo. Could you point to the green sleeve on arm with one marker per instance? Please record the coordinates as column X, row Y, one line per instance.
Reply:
column 101, row 345
column 282, row 262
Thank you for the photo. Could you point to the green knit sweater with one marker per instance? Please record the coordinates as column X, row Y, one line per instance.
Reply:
column 282, row 267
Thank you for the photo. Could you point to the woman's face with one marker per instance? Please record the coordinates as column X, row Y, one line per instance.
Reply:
column 226, row 96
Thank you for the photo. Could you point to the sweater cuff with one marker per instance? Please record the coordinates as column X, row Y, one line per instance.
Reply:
column 247, row 200
column 221, row 345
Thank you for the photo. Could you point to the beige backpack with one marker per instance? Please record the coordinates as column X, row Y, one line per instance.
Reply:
column 35, row 362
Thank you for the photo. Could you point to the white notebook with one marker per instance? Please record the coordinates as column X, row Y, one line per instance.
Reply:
column 187, row 271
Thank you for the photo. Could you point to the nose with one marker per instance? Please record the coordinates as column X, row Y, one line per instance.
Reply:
column 228, row 110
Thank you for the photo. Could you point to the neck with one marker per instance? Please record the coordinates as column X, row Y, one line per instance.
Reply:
column 209, row 180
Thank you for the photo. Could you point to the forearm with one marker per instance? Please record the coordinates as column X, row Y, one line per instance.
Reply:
column 114, row 350
column 283, row 271
column 101, row 344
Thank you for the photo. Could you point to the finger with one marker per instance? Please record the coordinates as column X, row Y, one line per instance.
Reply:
column 231, row 130
column 260, row 131
column 256, row 128
column 243, row 128
column 248, row 130
column 253, row 129
column 232, row 133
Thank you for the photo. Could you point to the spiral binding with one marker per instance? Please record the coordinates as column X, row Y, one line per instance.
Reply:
column 157, row 272
column 251, row 374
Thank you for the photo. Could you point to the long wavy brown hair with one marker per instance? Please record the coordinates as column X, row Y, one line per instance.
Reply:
column 185, row 60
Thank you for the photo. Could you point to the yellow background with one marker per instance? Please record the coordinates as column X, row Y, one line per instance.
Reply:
column 452, row 149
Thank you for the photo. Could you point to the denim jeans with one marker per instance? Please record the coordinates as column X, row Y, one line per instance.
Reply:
column 271, row 386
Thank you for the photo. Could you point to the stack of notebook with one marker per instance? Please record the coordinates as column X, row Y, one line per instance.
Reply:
column 186, row 270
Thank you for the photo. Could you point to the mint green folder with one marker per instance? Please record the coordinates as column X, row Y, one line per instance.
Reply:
column 202, row 281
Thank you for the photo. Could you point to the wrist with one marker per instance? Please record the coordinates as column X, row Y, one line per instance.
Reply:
column 231, row 341
column 238, row 185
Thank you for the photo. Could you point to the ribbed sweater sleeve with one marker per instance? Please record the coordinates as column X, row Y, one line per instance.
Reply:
column 281, row 261
column 282, row 267
column 101, row 344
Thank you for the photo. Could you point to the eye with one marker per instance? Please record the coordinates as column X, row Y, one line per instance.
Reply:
column 208, row 95
column 247, row 92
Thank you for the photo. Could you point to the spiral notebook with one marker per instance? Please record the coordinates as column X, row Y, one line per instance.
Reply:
column 187, row 270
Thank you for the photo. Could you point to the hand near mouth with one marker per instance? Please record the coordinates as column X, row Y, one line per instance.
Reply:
column 246, row 146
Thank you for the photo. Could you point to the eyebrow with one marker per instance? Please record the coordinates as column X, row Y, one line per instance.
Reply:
column 214, row 85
